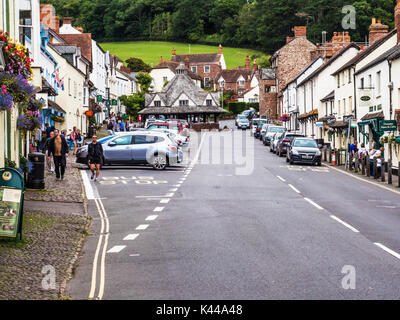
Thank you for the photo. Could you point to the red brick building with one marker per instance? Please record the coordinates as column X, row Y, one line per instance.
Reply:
column 206, row 65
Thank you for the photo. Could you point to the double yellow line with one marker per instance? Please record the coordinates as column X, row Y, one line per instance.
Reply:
column 101, row 247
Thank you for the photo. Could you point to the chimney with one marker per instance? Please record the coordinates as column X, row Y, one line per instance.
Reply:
column 67, row 20
column 247, row 66
column 377, row 30
column 161, row 60
column 187, row 62
column 173, row 51
column 57, row 24
column 220, row 49
column 300, row 31
column 397, row 19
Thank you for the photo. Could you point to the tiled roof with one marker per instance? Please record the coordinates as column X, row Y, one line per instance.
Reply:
column 172, row 66
column 362, row 54
column 82, row 40
column 267, row 74
column 381, row 58
column 329, row 62
column 197, row 58
column 232, row 75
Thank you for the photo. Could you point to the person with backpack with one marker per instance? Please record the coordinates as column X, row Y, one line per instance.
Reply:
column 95, row 156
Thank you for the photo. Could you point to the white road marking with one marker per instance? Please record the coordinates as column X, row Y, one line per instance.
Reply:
column 344, row 223
column 116, row 249
column 393, row 253
column 314, row 204
column 177, row 185
column 132, row 236
column 152, row 217
column 142, row 227
column 164, row 201
column 135, row 255
column 173, row 189
column 87, row 185
column 158, row 209
column 280, row 178
column 103, row 256
column 294, row 188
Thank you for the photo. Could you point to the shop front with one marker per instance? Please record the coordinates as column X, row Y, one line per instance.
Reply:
column 369, row 128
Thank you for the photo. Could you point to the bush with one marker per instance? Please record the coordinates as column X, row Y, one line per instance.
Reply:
column 239, row 107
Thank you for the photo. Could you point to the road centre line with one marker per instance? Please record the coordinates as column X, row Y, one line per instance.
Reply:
column 173, row 189
column 164, row 201
column 132, row 236
column 103, row 256
column 294, row 188
column 280, row 178
column 142, row 227
column 158, row 209
column 152, row 217
column 116, row 249
column 344, row 223
column 314, row 204
column 393, row 253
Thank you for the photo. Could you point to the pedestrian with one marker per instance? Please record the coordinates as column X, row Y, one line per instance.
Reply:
column 353, row 150
column 49, row 129
column 38, row 139
column 95, row 155
column 72, row 138
column 110, row 127
column 59, row 149
column 372, row 144
column 379, row 157
column 371, row 154
column 121, row 126
column 78, row 138
column 49, row 157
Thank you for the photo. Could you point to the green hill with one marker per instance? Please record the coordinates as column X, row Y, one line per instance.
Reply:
column 150, row 51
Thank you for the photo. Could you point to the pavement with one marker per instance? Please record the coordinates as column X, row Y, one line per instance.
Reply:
column 250, row 228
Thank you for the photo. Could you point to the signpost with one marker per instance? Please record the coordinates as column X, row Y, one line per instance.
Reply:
column 99, row 98
column 11, row 203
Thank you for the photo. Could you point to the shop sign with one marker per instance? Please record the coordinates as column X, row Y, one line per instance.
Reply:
column 388, row 125
column 319, row 124
column 365, row 97
column 331, row 121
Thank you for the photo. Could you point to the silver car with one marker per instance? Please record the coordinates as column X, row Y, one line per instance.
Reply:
column 274, row 141
column 142, row 147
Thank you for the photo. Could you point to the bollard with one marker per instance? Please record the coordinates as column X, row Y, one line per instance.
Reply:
column 375, row 168
column 383, row 166
column 390, row 179
column 325, row 154
column 363, row 159
column 368, row 164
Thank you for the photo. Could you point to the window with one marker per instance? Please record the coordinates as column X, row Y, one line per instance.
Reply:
column 142, row 139
column 267, row 89
column 209, row 102
column 194, row 69
column 362, row 83
column 157, row 103
column 222, row 83
column 206, row 82
column 350, row 105
column 206, row 69
column 344, row 106
column 338, row 106
column 241, row 83
column 338, row 80
column 378, row 83
column 349, row 75
column 369, row 81
column 123, row 141
column 273, row 88
column 183, row 103
column 165, row 79
column 25, row 23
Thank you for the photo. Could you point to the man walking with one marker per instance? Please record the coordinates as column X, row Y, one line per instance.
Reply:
column 46, row 150
column 59, row 149
column 95, row 155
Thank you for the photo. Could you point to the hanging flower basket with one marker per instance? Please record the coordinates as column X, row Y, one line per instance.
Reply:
column 58, row 119
column 29, row 121
column 18, row 87
column 285, row 117
column 6, row 99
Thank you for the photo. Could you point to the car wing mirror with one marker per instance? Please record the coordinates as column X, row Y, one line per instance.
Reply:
column 112, row 143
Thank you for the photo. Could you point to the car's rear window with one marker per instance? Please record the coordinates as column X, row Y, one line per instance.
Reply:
column 306, row 143
column 276, row 129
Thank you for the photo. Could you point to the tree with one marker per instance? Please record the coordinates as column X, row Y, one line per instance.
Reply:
column 144, row 81
column 137, row 65
column 133, row 103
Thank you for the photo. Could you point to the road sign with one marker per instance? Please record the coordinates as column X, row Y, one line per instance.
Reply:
column 11, row 203
column 99, row 98
column 388, row 125
column 114, row 102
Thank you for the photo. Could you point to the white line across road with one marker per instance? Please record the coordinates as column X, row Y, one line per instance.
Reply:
column 164, row 201
column 132, row 236
column 116, row 249
column 393, row 253
column 344, row 223
column 152, row 217
column 280, row 178
column 142, row 227
column 294, row 188
column 158, row 209
column 314, row 204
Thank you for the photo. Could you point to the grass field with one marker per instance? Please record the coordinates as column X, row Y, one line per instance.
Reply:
column 150, row 51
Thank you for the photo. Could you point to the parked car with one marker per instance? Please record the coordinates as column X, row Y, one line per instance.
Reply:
column 142, row 147
column 257, row 133
column 182, row 141
column 284, row 142
column 82, row 152
column 254, row 123
column 239, row 117
column 244, row 124
column 304, row 150
column 173, row 125
column 263, row 131
column 274, row 141
column 271, row 130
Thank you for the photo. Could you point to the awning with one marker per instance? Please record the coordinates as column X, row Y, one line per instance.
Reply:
column 339, row 124
column 373, row 115
column 305, row 116
column 324, row 119
column 56, row 107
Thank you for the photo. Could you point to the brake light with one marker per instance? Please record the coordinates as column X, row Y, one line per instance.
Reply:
column 186, row 140
column 180, row 141
column 172, row 147
column 286, row 140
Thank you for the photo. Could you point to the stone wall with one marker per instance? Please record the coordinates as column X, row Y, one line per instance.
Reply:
column 205, row 126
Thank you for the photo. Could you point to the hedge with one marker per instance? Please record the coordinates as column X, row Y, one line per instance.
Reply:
column 239, row 107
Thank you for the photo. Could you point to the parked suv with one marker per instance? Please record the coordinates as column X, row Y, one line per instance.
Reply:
column 142, row 147
column 172, row 125
column 304, row 150
column 284, row 142
column 254, row 123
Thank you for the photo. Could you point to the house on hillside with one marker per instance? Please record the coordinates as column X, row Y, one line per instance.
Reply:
column 165, row 71
column 181, row 98
column 206, row 65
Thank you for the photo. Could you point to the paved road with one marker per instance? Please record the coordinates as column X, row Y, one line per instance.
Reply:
column 276, row 232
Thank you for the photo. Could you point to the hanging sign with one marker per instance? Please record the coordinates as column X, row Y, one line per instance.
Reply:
column 89, row 113
column 365, row 97
column 388, row 125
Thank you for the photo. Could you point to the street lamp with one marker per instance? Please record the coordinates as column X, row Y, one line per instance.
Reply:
column 2, row 61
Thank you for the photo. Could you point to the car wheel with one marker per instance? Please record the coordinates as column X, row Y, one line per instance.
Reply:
column 291, row 162
column 159, row 162
column 319, row 164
